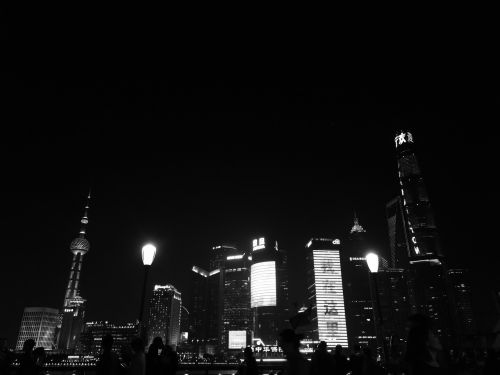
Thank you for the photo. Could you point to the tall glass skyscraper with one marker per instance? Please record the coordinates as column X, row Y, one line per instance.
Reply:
column 73, row 312
column 460, row 293
column 357, row 296
column 427, row 286
column 39, row 324
column 164, row 318
column 268, row 289
column 325, row 291
column 236, row 317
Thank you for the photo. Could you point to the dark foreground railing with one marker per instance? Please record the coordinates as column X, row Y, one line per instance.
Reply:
column 184, row 368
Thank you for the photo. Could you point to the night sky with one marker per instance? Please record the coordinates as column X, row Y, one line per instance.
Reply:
column 188, row 161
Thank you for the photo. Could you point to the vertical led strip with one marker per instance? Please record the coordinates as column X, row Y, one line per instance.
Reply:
column 329, row 297
column 263, row 284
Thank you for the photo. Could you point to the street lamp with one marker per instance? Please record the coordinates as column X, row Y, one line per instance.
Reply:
column 148, row 255
column 372, row 260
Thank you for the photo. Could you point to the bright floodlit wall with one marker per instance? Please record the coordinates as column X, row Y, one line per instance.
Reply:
column 263, row 284
column 329, row 297
column 237, row 339
column 39, row 324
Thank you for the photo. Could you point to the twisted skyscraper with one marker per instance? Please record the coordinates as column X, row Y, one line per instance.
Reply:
column 74, row 305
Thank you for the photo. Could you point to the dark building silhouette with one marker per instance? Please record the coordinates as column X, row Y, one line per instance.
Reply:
column 325, row 291
column 394, row 302
column 460, row 293
column 357, row 297
column 94, row 332
column 73, row 312
column 268, row 290
column 398, row 234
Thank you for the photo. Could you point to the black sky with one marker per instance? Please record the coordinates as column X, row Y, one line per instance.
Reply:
column 188, row 158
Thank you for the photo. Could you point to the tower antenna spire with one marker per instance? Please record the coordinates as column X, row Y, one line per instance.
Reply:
column 85, row 218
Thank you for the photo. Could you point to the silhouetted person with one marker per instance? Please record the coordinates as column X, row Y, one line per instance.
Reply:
column 108, row 363
column 138, row 358
column 422, row 347
column 322, row 362
column 26, row 360
column 370, row 366
column 6, row 357
column 356, row 360
column 341, row 365
column 296, row 364
column 153, row 359
column 249, row 365
column 169, row 360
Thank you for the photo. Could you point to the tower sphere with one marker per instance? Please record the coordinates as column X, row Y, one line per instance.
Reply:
column 79, row 245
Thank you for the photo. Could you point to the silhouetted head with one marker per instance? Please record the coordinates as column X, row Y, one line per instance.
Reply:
column 167, row 349
column 367, row 352
column 158, row 342
column 289, row 341
column 39, row 355
column 248, row 353
column 107, row 343
column 28, row 345
column 322, row 346
column 338, row 349
column 422, row 340
column 137, row 345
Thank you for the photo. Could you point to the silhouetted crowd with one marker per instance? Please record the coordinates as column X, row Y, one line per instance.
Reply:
column 423, row 355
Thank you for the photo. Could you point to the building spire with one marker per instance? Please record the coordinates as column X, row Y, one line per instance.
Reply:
column 85, row 218
column 356, row 228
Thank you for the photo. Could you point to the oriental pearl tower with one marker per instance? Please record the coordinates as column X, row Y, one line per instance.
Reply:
column 73, row 311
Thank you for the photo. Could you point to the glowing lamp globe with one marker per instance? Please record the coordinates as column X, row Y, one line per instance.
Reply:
column 372, row 261
column 148, row 254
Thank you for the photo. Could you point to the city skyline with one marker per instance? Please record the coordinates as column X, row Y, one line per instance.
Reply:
column 170, row 241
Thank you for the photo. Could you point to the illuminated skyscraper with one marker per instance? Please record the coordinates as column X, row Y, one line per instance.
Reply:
column 73, row 312
column 39, row 324
column 165, row 314
column 198, row 307
column 420, row 221
column 357, row 296
column 325, row 291
column 268, row 289
column 236, row 317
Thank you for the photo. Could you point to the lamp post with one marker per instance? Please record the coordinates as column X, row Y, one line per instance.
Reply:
column 148, row 255
column 372, row 260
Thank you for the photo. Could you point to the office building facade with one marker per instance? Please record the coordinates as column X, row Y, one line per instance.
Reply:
column 164, row 316
column 325, row 291
column 460, row 293
column 94, row 332
column 39, row 324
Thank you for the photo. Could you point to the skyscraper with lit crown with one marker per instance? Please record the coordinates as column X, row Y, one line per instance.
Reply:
column 357, row 295
column 427, row 285
column 73, row 312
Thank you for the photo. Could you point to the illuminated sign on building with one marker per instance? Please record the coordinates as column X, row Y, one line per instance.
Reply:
column 263, row 284
column 403, row 138
column 237, row 339
column 329, row 297
column 233, row 257
column 258, row 244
